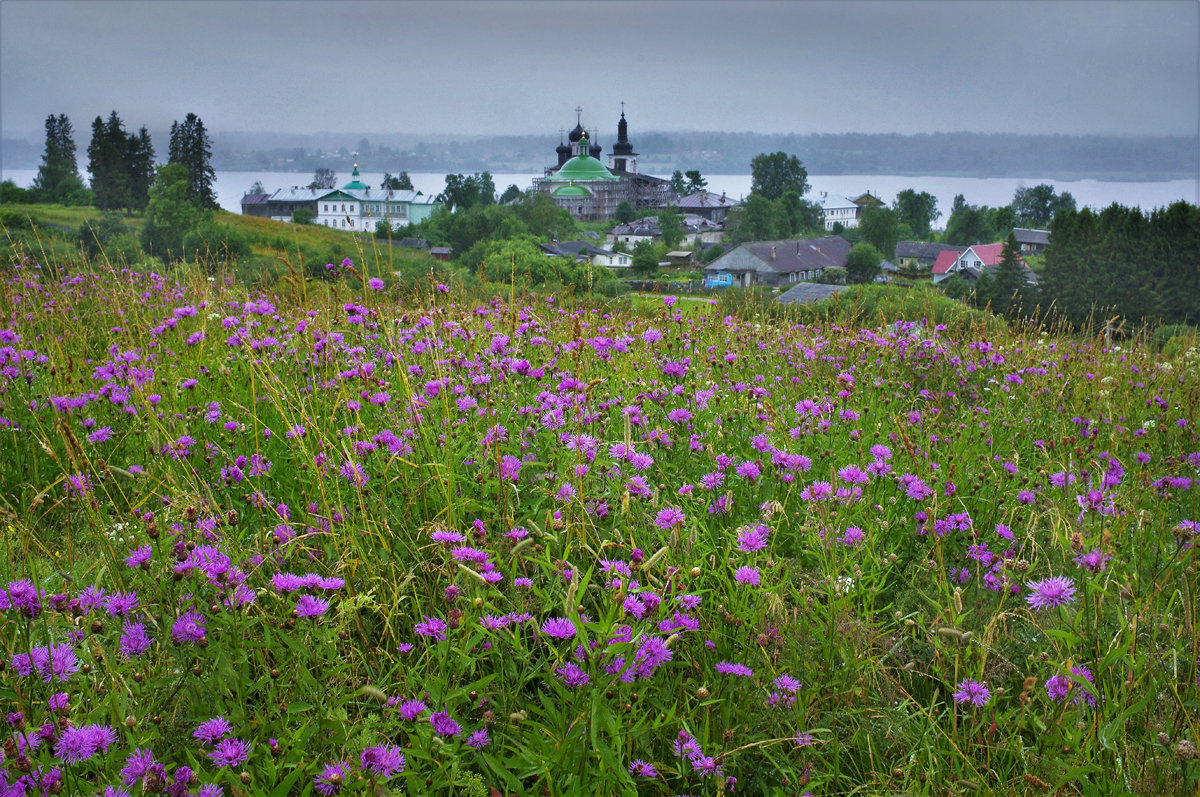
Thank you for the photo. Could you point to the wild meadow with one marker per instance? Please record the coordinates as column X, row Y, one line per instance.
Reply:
column 376, row 538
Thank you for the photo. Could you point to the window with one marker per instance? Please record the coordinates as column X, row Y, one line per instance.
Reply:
column 326, row 208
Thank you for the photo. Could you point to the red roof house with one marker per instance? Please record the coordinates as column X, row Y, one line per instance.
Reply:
column 970, row 263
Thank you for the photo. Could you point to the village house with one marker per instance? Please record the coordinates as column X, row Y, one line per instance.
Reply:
column 1031, row 242
column 584, row 252
column 694, row 228
column 922, row 254
column 774, row 263
column 714, row 207
column 972, row 262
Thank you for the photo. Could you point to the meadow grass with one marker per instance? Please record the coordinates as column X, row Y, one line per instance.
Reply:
column 343, row 538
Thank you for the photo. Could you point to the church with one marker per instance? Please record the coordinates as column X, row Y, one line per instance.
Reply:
column 591, row 191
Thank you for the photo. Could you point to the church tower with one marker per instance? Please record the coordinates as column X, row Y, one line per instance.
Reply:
column 623, row 158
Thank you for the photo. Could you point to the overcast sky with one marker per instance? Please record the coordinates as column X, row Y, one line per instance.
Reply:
column 873, row 66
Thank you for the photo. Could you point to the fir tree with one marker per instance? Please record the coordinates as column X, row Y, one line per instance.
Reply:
column 58, row 177
column 191, row 147
column 106, row 162
column 1010, row 279
column 139, row 160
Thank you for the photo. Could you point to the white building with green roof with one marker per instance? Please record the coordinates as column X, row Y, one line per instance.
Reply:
column 356, row 206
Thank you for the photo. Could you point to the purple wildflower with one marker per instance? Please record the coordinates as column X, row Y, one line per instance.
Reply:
column 444, row 725
column 1050, row 592
column 139, row 556
column 411, row 709
column 669, row 518
column 384, row 760
column 77, row 745
column 134, row 640
column 188, row 627
column 136, row 766
column 308, row 606
column 572, row 675
column 747, row 575
column 213, row 730
column 434, row 627
column 230, row 753
column 641, row 769
column 1094, row 561
column 332, row 778
column 730, row 668
column 479, row 739
column 559, row 628
column 973, row 692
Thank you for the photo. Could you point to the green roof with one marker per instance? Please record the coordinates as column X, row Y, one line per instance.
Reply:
column 583, row 167
column 572, row 190
column 355, row 184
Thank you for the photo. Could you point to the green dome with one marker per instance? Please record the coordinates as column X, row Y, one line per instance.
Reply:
column 583, row 167
column 572, row 190
column 355, row 184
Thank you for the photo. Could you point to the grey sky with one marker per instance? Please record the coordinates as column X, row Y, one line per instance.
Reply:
column 871, row 66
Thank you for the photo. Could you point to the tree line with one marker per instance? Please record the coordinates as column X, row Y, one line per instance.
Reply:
column 121, row 164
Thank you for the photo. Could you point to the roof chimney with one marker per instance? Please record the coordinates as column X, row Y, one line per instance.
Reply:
column 772, row 252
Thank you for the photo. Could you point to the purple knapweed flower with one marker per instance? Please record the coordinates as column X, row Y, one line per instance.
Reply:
column 213, row 730
column 188, row 627
column 444, row 725
column 641, row 769
column 747, row 575
column 571, row 675
column 1050, row 592
column 230, row 753
column 76, row 745
column 384, row 760
column 332, row 778
column 559, row 628
column 973, row 692
column 730, row 668
column 308, row 606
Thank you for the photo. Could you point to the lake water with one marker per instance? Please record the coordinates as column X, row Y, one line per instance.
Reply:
column 991, row 191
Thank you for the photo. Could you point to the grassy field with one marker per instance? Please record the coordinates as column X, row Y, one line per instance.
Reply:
column 350, row 539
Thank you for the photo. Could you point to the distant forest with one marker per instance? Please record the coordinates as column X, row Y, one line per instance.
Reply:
column 947, row 154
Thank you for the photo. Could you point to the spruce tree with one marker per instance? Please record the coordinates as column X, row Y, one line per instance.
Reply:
column 1010, row 278
column 139, row 158
column 191, row 147
column 58, row 177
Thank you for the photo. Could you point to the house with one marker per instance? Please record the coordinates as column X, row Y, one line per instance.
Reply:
column 414, row 243
column 868, row 200
column 255, row 205
column 442, row 253
column 714, row 207
column 839, row 210
column 774, row 263
column 695, row 228
column 807, row 292
column 634, row 232
column 585, row 252
column 1032, row 242
column 283, row 204
column 921, row 254
column 356, row 206
column 972, row 262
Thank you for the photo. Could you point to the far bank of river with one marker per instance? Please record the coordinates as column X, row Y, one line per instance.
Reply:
column 993, row 191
